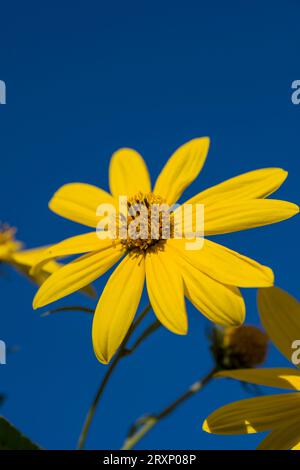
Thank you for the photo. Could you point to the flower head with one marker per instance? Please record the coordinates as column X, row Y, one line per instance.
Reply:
column 278, row 414
column 152, row 228
column 209, row 277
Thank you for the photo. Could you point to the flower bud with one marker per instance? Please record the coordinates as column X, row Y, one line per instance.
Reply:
column 238, row 348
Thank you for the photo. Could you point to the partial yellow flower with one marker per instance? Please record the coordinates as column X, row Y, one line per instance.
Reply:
column 279, row 414
column 12, row 253
column 209, row 278
column 24, row 260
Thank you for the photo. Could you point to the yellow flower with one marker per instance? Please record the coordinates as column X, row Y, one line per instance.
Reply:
column 208, row 277
column 279, row 414
column 11, row 252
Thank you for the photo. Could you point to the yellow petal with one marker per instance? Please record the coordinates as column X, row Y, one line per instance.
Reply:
column 128, row 173
column 284, row 437
column 71, row 246
column 117, row 306
column 253, row 415
column 227, row 217
column 181, row 169
column 280, row 316
column 224, row 265
column 251, row 185
column 233, row 217
column 79, row 202
column 281, row 378
column 297, row 446
column 223, row 305
column 165, row 290
column 77, row 274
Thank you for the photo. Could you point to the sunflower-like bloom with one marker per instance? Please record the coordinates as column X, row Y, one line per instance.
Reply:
column 209, row 277
column 279, row 414
column 12, row 253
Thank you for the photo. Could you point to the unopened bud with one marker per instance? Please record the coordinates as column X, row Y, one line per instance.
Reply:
column 238, row 348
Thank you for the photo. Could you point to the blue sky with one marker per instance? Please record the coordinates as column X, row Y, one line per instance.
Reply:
column 83, row 79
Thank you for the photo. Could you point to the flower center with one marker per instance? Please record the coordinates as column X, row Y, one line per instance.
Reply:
column 147, row 222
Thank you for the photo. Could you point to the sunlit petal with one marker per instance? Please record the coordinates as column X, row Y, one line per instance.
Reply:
column 280, row 316
column 251, row 185
column 224, row 265
column 253, row 415
column 117, row 307
column 281, row 378
column 166, row 291
column 182, row 169
column 128, row 173
column 79, row 202
column 77, row 274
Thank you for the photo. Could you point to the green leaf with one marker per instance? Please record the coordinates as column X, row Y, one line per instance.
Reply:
column 12, row 439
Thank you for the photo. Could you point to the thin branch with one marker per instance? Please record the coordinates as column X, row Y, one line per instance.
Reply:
column 72, row 308
column 123, row 351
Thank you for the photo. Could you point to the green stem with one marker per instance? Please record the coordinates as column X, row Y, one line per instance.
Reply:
column 152, row 420
column 148, row 331
column 72, row 308
column 123, row 351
